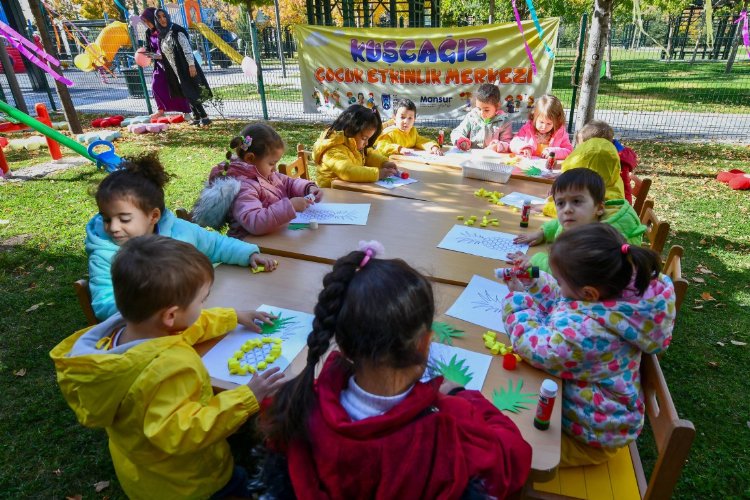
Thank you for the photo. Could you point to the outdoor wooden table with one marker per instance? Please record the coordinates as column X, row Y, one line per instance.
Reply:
column 408, row 229
column 454, row 161
column 444, row 185
column 295, row 285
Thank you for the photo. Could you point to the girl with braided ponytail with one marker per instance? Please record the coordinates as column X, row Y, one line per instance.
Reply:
column 606, row 304
column 368, row 427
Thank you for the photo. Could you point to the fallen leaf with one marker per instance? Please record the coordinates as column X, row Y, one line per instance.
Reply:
column 20, row 373
column 712, row 364
column 75, row 497
column 101, row 485
column 722, row 344
column 702, row 242
column 34, row 307
column 703, row 270
column 719, row 305
column 707, row 296
column 737, row 342
column 697, row 308
column 697, row 279
column 50, row 269
column 57, row 472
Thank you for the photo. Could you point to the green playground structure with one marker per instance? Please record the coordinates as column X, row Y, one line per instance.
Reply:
column 108, row 160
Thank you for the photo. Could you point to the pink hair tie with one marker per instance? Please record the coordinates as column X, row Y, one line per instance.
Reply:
column 625, row 248
column 371, row 249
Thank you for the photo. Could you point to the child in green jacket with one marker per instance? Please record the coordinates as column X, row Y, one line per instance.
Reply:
column 579, row 199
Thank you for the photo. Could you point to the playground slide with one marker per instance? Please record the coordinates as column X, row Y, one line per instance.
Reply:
column 220, row 44
column 102, row 51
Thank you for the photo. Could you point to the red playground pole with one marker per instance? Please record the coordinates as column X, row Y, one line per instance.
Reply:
column 43, row 116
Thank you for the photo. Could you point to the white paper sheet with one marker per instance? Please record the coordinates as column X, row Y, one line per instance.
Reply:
column 516, row 199
column 354, row 214
column 393, row 182
column 293, row 335
column 475, row 365
column 481, row 242
column 481, row 303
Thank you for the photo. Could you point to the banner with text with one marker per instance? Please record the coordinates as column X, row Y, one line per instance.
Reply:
column 437, row 68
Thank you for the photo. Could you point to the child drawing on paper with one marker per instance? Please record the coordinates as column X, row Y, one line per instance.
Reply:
column 545, row 131
column 248, row 192
column 402, row 137
column 368, row 402
column 345, row 150
column 137, row 376
column 486, row 125
column 579, row 200
column 589, row 325
column 131, row 204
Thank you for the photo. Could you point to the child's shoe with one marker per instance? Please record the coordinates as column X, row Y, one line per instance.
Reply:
column 205, row 122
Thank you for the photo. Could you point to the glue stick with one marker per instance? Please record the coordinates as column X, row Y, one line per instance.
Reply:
column 525, row 213
column 547, row 395
column 508, row 273
column 441, row 138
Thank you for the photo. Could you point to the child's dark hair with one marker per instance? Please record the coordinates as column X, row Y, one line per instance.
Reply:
column 404, row 103
column 355, row 119
column 153, row 272
column 580, row 178
column 141, row 178
column 489, row 93
column 377, row 315
column 597, row 255
column 262, row 140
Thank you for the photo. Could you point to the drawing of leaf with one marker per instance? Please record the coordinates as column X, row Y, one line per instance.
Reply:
column 512, row 399
column 455, row 370
column 488, row 303
column 388, row 180
column 279, row 325
column 445, row 332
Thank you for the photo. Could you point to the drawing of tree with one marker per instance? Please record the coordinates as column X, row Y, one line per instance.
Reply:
column 281, row 327
column 512, row 399
column 325, row 215
column 488, row 302
column 445, row 332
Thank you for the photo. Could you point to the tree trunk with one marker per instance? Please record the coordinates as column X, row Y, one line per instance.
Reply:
column 249, row 7
column 62, row 91
column 492, row 12
column 608, row 74
column 668, row 56
column 597, row 39
column 733, row 52
column 698, row 39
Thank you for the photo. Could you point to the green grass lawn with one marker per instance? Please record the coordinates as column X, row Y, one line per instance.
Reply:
column 641, row 82
column 47, row 454
column 247, row 91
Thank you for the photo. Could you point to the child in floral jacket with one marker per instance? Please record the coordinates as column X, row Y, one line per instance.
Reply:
column 608, row 306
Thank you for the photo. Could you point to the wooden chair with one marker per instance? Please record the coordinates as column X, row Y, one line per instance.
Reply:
column 84, row 299
column 656, row 230
column 673, row 269
column 649, row 203
column 623, row 476
column 298, row 168
column 641, row 188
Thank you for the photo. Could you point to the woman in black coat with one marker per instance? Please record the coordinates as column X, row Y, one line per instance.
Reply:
column 184, row 74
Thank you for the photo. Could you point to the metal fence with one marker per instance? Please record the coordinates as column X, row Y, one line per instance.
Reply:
column 687, row 96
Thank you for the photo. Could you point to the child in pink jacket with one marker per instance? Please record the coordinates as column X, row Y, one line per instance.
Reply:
column 247, row 192
column 545, row 132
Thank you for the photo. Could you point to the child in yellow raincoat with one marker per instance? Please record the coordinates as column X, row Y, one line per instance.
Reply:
column 346, row 149
column 137, row 376
column 599, row 155
column 401, row 136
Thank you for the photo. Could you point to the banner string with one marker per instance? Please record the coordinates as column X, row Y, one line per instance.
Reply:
column 525, row 44
column 539, row 29
column 745, row 30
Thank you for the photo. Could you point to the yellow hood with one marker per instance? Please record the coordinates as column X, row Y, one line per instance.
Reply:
column 599, row 155
column 95, row 384
column 336, row 138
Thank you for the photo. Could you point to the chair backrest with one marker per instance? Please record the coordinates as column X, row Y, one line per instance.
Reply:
column 641, row 188
column 673, row 269
column 673, row 435
column 656, row 230
column 649, row 203
column 298, row 168
column 84, row 299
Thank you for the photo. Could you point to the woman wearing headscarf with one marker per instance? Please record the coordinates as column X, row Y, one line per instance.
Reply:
column 159, row 83
column 184, row 74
